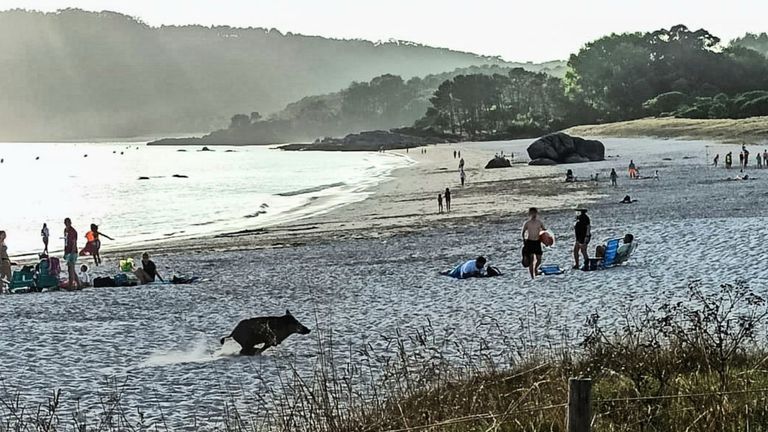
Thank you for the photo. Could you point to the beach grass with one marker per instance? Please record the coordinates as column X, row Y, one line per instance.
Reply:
column 751, row 130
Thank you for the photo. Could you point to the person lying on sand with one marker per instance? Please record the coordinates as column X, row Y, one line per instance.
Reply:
column 738, row 177
column 627, row 200
column 471, row 268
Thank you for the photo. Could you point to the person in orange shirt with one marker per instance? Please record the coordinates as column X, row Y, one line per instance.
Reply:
column 93, row 244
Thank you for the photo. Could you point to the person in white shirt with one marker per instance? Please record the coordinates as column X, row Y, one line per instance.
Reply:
column 471, row 268
column 85, row 277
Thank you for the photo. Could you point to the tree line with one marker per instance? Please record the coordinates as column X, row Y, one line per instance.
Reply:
column 668, row 72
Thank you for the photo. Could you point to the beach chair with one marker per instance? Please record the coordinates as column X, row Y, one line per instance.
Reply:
column 46, row 276
column 611, row 258
column 611, row 248
column 22, row 281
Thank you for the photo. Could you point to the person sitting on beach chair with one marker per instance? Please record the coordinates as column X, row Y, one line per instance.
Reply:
column 626, row 249
column 471, row 268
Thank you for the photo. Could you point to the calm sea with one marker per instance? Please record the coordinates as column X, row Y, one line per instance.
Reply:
column 137, row 193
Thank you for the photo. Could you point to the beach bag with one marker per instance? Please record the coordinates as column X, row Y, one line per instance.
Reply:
column 551, row 269
column 121, row 280
column 492, row 271
column 103, row 282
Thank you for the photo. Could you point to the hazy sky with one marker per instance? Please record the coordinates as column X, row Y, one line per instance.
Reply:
column 534, row 30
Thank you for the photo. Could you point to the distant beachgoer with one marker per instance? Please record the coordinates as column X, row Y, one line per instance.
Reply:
column 6, row 274
column 656, row 175
column 759, row 160
column 471, row 268
column 454, row 154
column 45, row 234
column 627, row 200
column 463, row 177
column 728, row 160
column 531, row 231
column 84, row 276
column 447, row 196
column 746, row 155
column 461, row 164
column 459, row 153
column 148, row 271
column 93, row 244
column 632, row 169
column 569, row 177
column 70, row 253
column 741, row 161
column 614, row 177
column 583, row 231
column 765, row 158
column 439, row 203
column 717, row 159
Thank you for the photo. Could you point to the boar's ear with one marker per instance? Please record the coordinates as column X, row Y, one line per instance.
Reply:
column 287, row 312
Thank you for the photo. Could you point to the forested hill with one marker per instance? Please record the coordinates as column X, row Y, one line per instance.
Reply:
column 75, row 74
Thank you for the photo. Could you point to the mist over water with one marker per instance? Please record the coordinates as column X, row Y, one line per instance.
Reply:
column 225, row 189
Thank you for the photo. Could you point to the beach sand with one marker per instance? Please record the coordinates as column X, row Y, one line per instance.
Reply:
column 367, row 272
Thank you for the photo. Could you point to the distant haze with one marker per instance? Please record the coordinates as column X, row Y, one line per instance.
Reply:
column 515, row 30
column 78, row 75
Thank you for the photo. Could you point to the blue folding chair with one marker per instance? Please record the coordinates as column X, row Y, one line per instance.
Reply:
column 611, row 248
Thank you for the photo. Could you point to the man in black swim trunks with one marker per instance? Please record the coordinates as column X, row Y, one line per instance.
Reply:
column 583, row 231
column 532, row 242
column 148, row 271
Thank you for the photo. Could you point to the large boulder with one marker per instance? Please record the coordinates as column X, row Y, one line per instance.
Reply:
column 563, row 148
column 498, row 162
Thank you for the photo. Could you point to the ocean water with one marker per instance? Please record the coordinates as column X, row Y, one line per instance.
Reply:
column 227, row 189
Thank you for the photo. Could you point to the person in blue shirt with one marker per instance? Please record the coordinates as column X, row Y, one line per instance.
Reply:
column 471, row 268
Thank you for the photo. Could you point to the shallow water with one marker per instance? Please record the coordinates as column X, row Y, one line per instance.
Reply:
column 160, row 343
column 230, row 188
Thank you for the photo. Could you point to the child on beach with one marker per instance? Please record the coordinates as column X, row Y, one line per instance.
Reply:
column 93, row 244
column 45, row 234
column 614, row 177
column 85, row 277
column 530, row 233
column 439, row 203
column 717, row 158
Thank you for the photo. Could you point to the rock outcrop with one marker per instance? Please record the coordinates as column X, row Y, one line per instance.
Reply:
column 562, row 148
column 364, row 141
column 498, row 162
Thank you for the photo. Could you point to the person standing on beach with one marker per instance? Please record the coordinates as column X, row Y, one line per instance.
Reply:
column 6, row 273
column 463, row 177
column 532, row 229
column 439, row 203
column 447, row 200
column 765, row 158
column 583, row 231
column 614, row 177
column 746, row 155
column 759, row 161
column 45, row 234
column 70, row 253
column 454, row 154
column 717, row 159
column 741, row 161
column 461, row 164
column 632, row 169
column 728, row 160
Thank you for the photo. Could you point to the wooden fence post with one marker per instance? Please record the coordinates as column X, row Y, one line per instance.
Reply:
column 579, row 415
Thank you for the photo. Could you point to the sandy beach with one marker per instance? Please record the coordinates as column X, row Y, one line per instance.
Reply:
column 367, row 271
